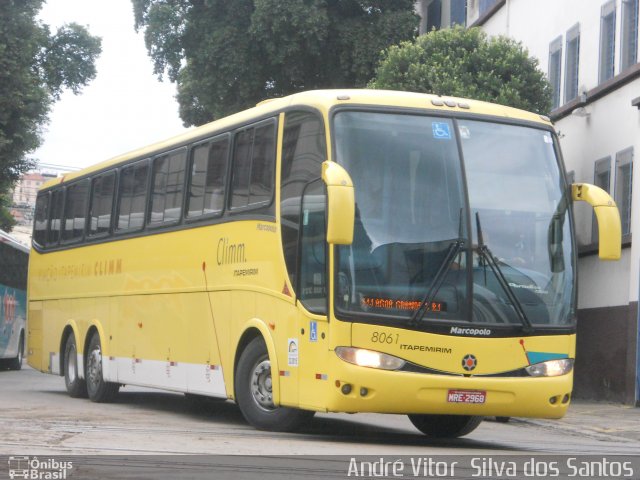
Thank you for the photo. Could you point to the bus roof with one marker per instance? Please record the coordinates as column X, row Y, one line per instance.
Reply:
column 323, row 100
column 9, row 240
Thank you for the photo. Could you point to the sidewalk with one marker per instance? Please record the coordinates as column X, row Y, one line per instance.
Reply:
column 605, row 421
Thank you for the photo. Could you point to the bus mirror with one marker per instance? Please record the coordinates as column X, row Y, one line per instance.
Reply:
column 555, row 239
column 607, row 215
column 341, row 204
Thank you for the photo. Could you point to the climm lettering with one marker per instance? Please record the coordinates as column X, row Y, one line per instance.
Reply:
column 229, row 253
column 107, row 267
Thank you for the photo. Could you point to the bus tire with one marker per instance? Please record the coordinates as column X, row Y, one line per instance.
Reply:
column 16, row 363
column 445, row 426
column 254, row 395
column 76, row 387
column 98, row 389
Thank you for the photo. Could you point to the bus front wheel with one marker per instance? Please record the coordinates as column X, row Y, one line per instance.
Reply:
column 98, row 389
column 254, row 393
column 445, row 426
column 76, row 387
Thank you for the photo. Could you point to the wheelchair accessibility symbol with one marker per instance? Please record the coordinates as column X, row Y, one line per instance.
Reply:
column 441, row 130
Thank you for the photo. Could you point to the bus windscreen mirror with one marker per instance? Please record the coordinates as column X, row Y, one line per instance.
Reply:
column 555, row 238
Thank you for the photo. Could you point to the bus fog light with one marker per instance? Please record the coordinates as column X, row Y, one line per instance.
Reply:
column 369, row 358
column 552, row 368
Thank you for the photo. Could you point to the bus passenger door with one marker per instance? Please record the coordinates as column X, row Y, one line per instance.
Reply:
column 312, row 295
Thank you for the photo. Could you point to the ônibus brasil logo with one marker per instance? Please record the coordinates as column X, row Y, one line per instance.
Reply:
column 35, row 469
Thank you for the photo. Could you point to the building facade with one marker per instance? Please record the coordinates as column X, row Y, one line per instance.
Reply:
column 24, row 202
column 589, row 50
column 26, row 190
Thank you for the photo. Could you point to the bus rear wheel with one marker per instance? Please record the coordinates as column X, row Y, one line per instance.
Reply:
column 76, row 387
column 254, row 394
column 445, row 426
column 16, row 363
column 98, row 389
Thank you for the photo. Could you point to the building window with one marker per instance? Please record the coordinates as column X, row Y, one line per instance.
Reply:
column 458, row 12
column 607, row 40
column 622, row 194
column 602, row 179
column 486, row 5
column 555, row 70
column 572, row 63
column 434, row 15
column 629, row 40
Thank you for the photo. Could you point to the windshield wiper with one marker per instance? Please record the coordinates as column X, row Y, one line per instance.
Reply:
column 454, row 249
column 484, row 251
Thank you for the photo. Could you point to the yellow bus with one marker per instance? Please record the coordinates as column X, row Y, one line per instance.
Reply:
column 332, row 251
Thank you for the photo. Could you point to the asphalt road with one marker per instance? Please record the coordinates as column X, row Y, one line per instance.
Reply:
column 38, row 418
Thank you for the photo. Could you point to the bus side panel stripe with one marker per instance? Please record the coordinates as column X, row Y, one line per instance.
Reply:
column 203, row 379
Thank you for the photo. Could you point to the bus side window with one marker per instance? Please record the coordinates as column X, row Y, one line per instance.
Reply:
column 75, row 211
column 167, row 187
column 253, row 170
column 102, row 191
column 263, row 164
column 313, row 248
column 132, row 196
column 41, row 219
column 208, row 177
column 55, row 217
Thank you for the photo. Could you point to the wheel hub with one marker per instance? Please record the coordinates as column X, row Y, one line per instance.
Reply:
column 72, row 365
column 95, row 366
column 261, row 385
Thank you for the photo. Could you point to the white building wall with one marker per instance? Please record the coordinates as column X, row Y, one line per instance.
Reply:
column 537, row 23
column 612, row 126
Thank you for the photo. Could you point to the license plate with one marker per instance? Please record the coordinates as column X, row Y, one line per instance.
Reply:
column 466, row 396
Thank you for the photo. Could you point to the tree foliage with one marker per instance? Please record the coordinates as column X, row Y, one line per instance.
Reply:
column 36, row 65
column 7, row 222
column 466, row 63
column 227, row 55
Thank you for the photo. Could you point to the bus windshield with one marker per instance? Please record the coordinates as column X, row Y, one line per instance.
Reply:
column 490, row 246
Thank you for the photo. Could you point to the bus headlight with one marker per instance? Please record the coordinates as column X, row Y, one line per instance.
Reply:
column 369, row 358
column 552, row 368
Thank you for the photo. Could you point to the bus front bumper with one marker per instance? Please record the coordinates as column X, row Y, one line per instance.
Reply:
column 362, row 389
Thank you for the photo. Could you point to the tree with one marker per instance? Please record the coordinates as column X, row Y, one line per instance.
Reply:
column 7, row 222
column 466, row 63
column 35, row 67
column 227, row 55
